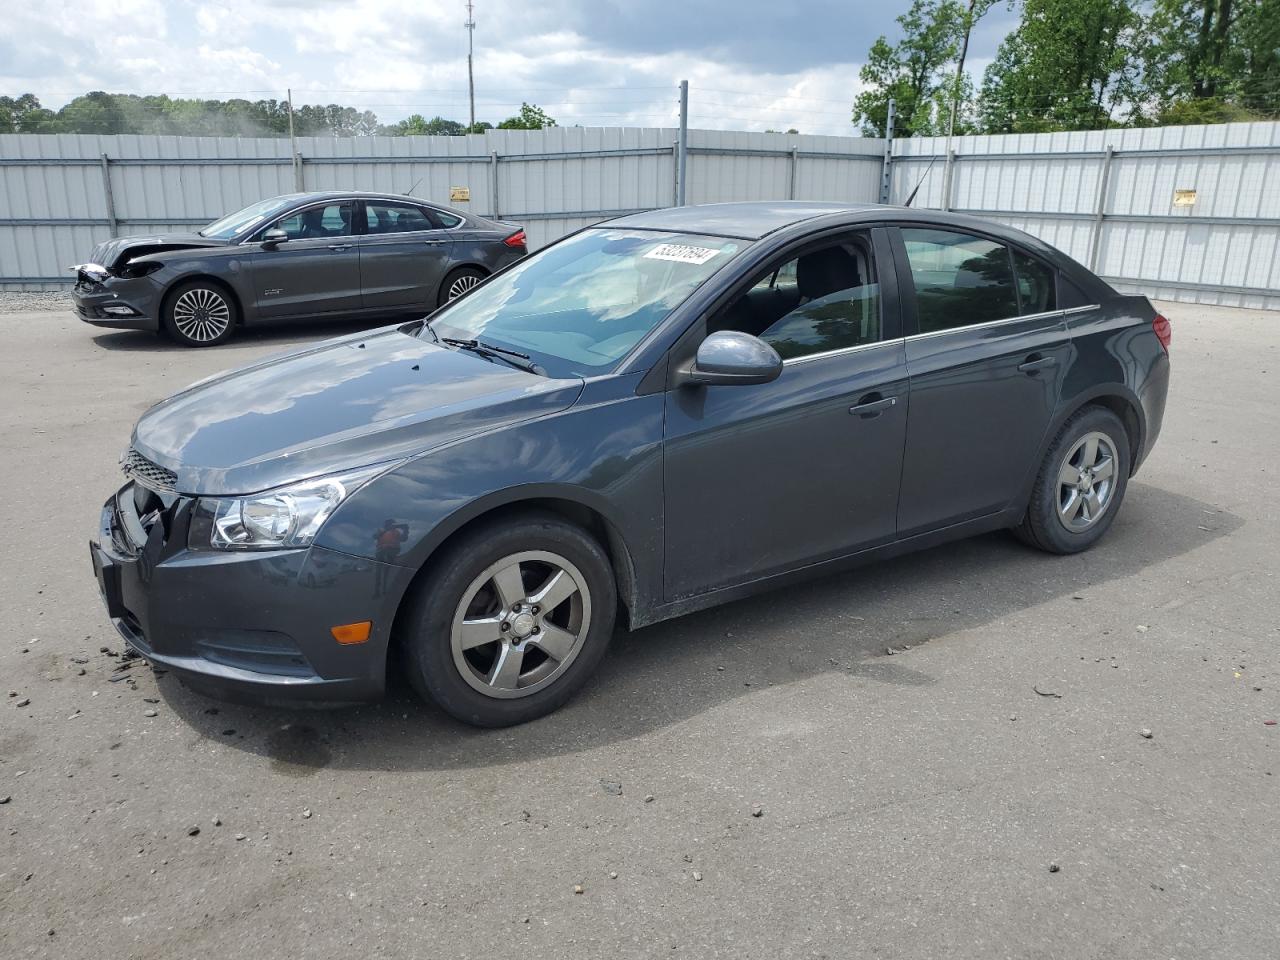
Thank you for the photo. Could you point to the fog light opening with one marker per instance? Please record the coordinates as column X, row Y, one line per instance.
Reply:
column 352, row 632
column 118, row 311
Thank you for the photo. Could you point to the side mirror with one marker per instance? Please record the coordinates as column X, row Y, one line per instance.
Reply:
column 730, row 357
column 274, row 237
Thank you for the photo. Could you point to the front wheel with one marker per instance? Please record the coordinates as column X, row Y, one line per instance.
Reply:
column 199, row 314
column 511, row 621
column 1080, row 485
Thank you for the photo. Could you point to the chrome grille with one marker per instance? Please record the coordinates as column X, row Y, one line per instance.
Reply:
column 150, row 475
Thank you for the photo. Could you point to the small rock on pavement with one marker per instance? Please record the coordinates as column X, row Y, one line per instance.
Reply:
column 1143, row 628
column 24, row 702
column 757, row 810
column 241, row 836
column 697, row 876
column 217, row 821
column 5, row 799
column 1147, row 734
column 149, row 712
column 193, row 831
column 649, row 798
column 612, row 787
column 306, row 814
column 577, row 888
column 1053, row 867
column 613, row 874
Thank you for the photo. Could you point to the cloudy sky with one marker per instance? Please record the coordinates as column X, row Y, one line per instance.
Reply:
column 751, row 64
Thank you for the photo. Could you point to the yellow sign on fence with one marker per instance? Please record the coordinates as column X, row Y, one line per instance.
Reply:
column 459, row 194
column 1184, row 198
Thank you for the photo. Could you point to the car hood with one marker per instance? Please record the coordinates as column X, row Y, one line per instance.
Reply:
column 113, row 253
column 362, row 399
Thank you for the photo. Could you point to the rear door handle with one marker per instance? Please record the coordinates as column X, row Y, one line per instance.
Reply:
column 872, row 405
column 1031, row 366
column 339, row 247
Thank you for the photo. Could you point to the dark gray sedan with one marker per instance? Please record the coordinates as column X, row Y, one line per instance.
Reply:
column 305, row 256
column 651, row 416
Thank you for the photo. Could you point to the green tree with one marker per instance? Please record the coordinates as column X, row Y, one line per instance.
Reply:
column 911, row 72
column 1069, row 65
column 530, row 117
column 23, row 114
column 1212, row 60
column 419, row 126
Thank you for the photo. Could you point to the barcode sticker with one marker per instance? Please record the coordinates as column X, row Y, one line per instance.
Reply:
column 681, row 253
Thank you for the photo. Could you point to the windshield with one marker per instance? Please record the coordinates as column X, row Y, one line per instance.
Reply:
column 240, row 221
column 580, row 305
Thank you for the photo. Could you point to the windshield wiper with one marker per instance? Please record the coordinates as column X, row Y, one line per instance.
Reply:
column 513, row 357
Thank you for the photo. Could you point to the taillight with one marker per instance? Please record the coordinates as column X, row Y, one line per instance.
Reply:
column 1163, row 331
column 517, row 239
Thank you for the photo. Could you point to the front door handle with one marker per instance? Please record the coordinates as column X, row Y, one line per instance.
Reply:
column 434, row 242
column 339, row 247
column 1034, row 364
column 872, row 405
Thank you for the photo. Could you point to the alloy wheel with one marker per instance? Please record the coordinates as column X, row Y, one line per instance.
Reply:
column 462, row 285
column 520, row 624
column 1086, row 482
column 201, row 314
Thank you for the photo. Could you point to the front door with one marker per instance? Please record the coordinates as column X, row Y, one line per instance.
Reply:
column 986, row 360
column 316, row 271
column 765, row 478
column 403, row 256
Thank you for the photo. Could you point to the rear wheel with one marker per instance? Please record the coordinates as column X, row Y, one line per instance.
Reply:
column 199, row 314
column 459, row 282
column 1080, row 485
column 512, row 620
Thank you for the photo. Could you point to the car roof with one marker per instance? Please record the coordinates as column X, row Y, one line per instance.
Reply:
column 748, row 221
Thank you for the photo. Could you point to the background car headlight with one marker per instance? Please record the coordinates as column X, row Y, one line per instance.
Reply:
column 275, row 519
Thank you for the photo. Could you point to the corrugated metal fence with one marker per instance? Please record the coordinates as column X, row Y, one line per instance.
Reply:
column 59, row 195
column 1105, row 197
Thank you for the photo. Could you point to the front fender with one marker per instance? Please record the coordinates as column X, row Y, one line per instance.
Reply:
column 603, row 454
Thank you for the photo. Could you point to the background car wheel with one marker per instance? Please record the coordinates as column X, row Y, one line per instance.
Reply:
column 459, row 282
column 511, row 621
column 1080, row 485
column 200, row 314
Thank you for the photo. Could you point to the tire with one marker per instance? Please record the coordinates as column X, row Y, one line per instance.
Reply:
column 458, row 282
column 200, row 313
column 1061, row 516
column 537, row 658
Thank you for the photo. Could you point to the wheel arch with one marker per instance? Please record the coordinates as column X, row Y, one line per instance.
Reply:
column 203, row 277
column 565, row 505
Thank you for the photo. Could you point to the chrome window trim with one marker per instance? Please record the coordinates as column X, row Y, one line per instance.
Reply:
column 791, row 361
column 1044, row 315
column 1084, row 309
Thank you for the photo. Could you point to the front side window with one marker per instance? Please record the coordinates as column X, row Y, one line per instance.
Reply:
column 243, row 220
column 395, row 218
column 959, row 279
column 578, row 306
column 823, row 300
column 319, row 222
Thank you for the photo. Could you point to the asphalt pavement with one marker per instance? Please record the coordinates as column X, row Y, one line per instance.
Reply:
column 938, row 756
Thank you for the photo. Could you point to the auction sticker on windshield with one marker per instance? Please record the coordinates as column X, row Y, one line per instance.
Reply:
column 681, row 253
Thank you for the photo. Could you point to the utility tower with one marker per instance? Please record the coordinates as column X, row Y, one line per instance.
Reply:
column 471, row 80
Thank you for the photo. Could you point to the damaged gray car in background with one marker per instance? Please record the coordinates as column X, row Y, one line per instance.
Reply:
column 304, row 256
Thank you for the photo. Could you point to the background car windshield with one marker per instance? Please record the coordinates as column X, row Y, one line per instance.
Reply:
column 242, row 220
column 579, row 306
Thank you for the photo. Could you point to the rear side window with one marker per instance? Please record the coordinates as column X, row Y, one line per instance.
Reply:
column 1035, row 284
column 446, row 219
column 959, row 279
column 395, row 218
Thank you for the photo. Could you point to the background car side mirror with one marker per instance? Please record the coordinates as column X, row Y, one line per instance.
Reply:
column 729, row 356
column 274, row 237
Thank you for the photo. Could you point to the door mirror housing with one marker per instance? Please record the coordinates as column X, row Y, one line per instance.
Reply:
column 729, row 357
column 274, row 237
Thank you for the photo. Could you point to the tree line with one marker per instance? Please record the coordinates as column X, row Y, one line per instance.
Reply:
column 1076, row 65
column 113, row 113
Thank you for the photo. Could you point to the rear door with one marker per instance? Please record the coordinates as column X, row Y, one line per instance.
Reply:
column 986, row 352
column 316, row 271
column 403, row 256
column 766, row 478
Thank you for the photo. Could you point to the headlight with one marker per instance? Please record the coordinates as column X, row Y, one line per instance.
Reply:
column 276, row 519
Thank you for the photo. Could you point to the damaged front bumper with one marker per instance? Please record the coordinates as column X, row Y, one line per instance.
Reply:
column 123, row 303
